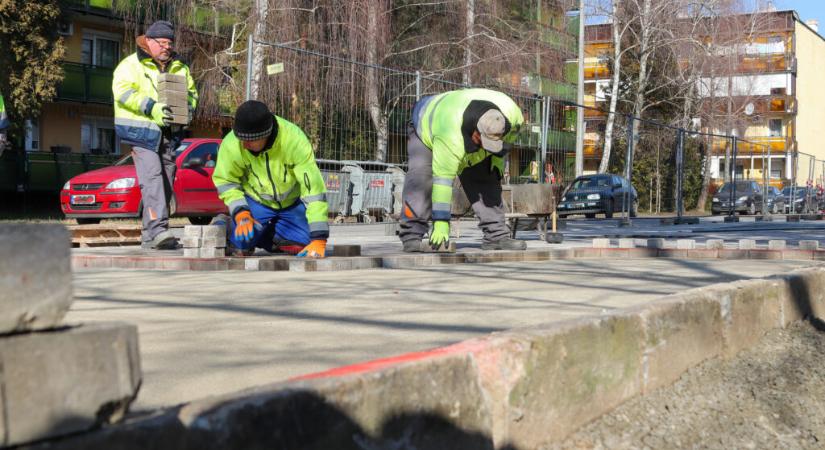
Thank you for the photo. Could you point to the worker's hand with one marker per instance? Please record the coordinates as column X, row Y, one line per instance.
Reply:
column 440, row 234
column 245, row 226
column 162, row 114
column 315, row 249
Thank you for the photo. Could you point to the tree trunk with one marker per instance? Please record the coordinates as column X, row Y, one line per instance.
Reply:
column 641, row 80
column 468, row 50
column 377, row 114
column 261, row 13
column 614, row 90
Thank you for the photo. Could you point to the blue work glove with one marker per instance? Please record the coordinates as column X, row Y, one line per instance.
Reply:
column 440, row 234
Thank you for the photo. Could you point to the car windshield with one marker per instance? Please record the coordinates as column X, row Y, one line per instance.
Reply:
column 591, row 182
column 800, row 192
column 741, row 186
column 128, row 161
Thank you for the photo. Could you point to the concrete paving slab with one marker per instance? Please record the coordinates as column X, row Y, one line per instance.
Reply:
column 35, row 276
column 60, row 382
column 219, row 332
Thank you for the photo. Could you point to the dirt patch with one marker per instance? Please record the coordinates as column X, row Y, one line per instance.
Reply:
column 771, row 396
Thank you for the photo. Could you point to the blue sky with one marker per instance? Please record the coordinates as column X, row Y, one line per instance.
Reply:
column 807, row 9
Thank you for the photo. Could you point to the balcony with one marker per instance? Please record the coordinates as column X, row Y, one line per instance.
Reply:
column 99, row 7
column 86, row 84
column 757, row 146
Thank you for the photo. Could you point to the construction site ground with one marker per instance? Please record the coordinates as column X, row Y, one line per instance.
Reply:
column 205, row 333
column 770, row 396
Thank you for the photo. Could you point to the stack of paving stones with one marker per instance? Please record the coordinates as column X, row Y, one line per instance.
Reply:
column 173, row 91
column 56, row 378
column 207, row 241
column 710, row 244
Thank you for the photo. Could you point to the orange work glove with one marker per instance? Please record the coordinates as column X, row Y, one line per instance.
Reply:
column 315, row 249
column 245, row 226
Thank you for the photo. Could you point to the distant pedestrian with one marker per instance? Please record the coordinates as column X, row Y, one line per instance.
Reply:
column 4, row 125
column 466, row 134
column 145, row 123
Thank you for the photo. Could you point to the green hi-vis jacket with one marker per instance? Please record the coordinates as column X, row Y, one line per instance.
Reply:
column 135, row 89
column 439, row 128
column 277, row 177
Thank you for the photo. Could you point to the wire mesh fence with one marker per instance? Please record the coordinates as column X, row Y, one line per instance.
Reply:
column 360, row 113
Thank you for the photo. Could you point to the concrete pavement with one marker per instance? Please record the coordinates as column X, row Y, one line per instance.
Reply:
column 204, row 333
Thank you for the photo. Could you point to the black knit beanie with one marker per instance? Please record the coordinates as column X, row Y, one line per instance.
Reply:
column 253, row 121
column 161, row 30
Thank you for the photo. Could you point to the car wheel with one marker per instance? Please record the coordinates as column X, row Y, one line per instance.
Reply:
column 634, row 208
column 88, row 221
column 200, row 220
column 752, row 209
column 590, row 215
column 608, row 210
column 774, row 209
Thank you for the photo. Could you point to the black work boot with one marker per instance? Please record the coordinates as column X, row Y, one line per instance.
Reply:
column 504, row 244
column 412, row 246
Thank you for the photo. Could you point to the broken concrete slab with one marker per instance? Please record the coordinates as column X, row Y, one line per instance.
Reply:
column 35, row 276
column 68, row 380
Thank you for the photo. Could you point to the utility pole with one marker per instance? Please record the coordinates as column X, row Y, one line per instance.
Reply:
column 580, row 97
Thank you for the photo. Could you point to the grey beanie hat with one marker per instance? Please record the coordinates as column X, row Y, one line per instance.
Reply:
column 161, row 29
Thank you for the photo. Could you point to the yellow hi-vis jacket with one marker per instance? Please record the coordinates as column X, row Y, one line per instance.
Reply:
column 135, row 89
column 439, row 128
column 277, row 177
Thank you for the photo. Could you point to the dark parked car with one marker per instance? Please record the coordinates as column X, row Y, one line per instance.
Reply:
column 598, row 194
column 748, row 198
column 804, row 200
column 776, row 201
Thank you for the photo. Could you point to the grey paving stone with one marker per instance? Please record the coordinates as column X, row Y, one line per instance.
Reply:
column 61, row 382
column 35, row 276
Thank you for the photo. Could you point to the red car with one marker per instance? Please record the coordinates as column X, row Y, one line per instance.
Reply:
column 114, row 192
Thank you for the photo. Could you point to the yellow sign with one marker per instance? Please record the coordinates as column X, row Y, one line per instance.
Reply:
column 274, row 69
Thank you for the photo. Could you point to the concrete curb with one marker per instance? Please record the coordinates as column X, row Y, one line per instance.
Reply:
column 518, row 389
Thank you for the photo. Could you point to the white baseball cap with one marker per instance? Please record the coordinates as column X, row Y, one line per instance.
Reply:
column 492, row 126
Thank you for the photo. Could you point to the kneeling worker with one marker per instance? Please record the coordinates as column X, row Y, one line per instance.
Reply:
column 267, row 176
column 465, row 133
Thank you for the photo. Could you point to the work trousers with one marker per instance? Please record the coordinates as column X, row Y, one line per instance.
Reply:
column 481, row 183
column 156, row 175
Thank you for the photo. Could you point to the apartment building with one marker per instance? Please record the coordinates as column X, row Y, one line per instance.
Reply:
column 81, row 118
column 776, row 91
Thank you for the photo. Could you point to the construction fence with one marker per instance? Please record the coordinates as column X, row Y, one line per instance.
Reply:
column 354, row 111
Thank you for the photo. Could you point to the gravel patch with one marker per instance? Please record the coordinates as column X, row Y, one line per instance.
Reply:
column 770, row 396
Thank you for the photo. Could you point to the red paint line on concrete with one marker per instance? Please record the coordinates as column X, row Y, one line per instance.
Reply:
column 470, row 346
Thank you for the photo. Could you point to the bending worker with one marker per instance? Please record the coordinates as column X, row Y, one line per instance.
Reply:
column 465, row 133
column 267, row 176
column 144, row 123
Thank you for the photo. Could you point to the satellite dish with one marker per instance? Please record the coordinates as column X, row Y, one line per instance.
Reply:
column 749, row 109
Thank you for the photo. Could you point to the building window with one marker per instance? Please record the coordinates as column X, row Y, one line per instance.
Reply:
column 776, row 173
column 100, row 49
column 97, row 136
column 32, row 135
column 775, row 127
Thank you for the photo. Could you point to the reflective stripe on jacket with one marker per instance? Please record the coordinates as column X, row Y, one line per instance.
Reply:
column 439, row 128
column 135, row 90
column 277, row 177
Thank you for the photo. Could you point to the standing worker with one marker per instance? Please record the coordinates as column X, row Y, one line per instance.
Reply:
column 4, row 125
column 267, row 176
column 465, row 133
column 145, row 124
